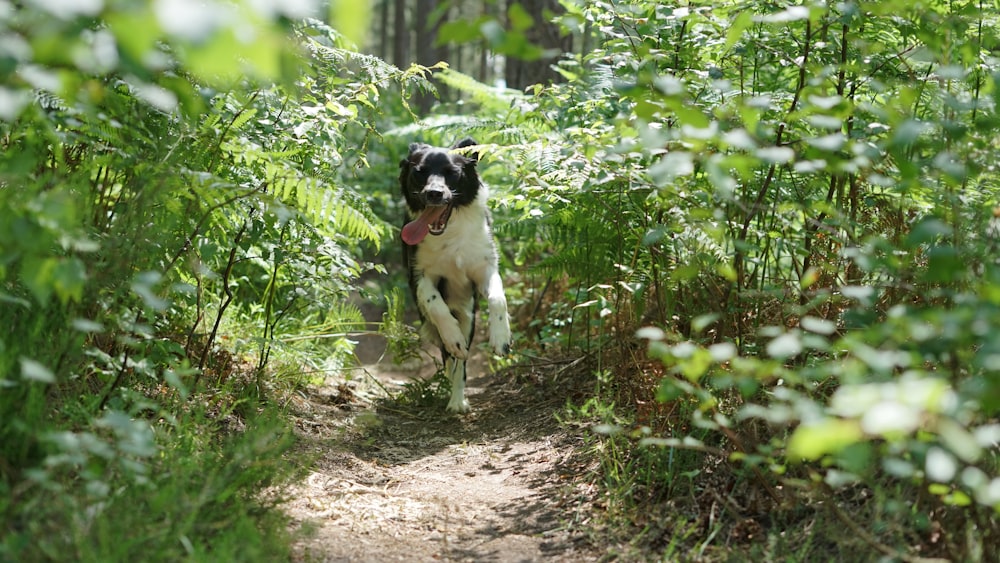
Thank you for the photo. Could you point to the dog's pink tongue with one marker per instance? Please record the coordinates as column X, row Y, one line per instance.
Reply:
column 417, row 229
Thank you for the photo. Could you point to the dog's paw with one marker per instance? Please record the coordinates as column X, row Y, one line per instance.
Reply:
column 457, row 348
column 500, row 339
column 458, row 405
column 454, row 343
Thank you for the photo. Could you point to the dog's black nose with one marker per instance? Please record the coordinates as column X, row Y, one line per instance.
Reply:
column 434, row 196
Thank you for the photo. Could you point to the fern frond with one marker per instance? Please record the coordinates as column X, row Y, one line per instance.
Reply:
column 324, row 45
column 344, row 316
column 328, row 209
column 48, row 100
column 355, row 223
column 340, row 320
column 402, row 340
column 492, row 99
column 241, row 119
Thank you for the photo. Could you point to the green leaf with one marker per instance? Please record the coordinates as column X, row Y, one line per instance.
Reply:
column 785, row 346
column 671, row 166
column 939, row 489
column 685, row 272
column 723, row 351
column 87, row 325
column 726, row 271
column 817, row 325
column 825, row 121
column 812, row 441
column 944, row 265
column 908, row 131
column 215, row 61
column 959, row 440
column 135, row 31
column 607, row 429
column 669, row 85
column 831, row 142
column 695, row 366
column 789, row 14
column 654, row 236
column 826, row 103
column 941, row 466
column 37, row 273
column 460, row 31
column 775, row 155
column 519, row 18
column 669, row 390
column 68, row 279
column 927, row 230
column 650, row 333
column 512, row 43
column 863, row 293
column 35, row 371
column 144, row 286
column 739, row 24
column 701, row 322
column 957, row 498
column 856, row 457
column 173, row 379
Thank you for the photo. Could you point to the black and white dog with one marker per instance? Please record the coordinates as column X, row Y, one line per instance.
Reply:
column 458, row 262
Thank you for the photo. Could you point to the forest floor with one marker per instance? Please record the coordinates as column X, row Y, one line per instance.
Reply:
column 394, row 480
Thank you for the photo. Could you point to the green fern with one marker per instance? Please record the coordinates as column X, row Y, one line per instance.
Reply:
column 402, row 340
column 491, row 99
column 325, row 46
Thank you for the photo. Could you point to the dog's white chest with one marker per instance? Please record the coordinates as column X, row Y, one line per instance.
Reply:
column 462, row 251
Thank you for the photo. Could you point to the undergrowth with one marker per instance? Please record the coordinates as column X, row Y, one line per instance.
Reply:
column 769, row 231
column 166, row 478
column 782, row 263
column 178, row 245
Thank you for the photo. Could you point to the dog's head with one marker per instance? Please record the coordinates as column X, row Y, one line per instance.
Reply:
column 435, row 181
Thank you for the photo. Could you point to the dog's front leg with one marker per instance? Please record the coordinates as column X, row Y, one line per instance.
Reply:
column 455, row 369
column 500, row 338
column 436, row 312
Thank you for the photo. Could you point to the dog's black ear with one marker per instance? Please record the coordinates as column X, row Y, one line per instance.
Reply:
column 417, row 147
column 467, row 142
column 404, row 173
column 407, row 162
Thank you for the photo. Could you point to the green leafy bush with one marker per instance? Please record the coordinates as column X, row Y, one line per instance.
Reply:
column 799, row 202
column 177, row 221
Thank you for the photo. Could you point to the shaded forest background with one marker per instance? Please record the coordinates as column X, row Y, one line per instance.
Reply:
column 472, row 38
column 766, row 232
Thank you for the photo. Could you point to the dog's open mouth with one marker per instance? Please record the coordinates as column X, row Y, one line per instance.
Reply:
column 433, row 220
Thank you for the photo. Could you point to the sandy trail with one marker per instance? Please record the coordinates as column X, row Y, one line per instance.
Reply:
column 394, row 480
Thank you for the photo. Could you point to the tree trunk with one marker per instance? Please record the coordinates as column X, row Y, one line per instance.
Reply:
column 383, row 30
column 485, row 74
column 427, row 54
column 400, row 36
column 520, row 74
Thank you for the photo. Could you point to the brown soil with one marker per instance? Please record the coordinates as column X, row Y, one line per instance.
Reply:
column 394, row 480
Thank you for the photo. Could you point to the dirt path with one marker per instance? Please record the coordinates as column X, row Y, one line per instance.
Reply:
column 394, row 480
